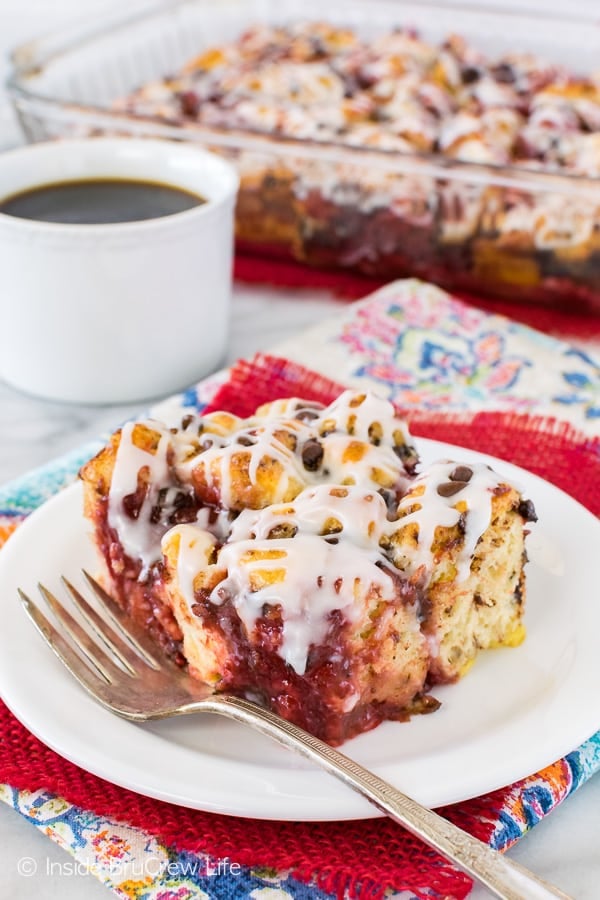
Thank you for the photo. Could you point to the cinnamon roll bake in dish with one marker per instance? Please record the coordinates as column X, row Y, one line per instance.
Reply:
column 298, row 557
column 402, row 96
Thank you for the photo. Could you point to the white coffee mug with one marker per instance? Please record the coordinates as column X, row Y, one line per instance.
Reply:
column 120, row 312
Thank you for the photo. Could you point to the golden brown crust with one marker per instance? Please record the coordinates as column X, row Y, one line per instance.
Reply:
column 205, row 651
column 241, row 489
column 485, row 610
column 97, row 474
column 144, row 599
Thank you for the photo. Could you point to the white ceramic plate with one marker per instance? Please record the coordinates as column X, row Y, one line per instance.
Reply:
column 516, row 711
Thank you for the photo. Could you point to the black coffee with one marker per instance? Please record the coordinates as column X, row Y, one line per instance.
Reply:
column 99, row 201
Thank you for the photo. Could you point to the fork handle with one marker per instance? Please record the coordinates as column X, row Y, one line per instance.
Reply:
column 504, row 878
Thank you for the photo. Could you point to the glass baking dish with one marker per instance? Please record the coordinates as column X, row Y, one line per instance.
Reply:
column 378, row 212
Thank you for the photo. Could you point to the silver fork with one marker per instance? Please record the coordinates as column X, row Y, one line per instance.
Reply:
column 120, row 667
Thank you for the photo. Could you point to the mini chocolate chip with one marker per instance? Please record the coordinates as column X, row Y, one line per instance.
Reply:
column 318, row 47
column 312, row 455
column 156, row 511
column 401, row 451
column 213, row 515
column 470, row 74
column 375, row 433
column 320, row 581
column 379, row 115
column 186, row 421
column 306, row 415
column 245, row 441
column 518, row 594
column 215, row 95
column 526, row 509
column 408, row 455
column 189, row 103
column 337, row 585
column 185, row 510
column 504, row 73
column 282, row 530
column 206, row 444
column 391, row 500
column 350, row 86
column 187, row 515
column 450, row 488
column 332, row 540
column 461, row 473
column 365, row 80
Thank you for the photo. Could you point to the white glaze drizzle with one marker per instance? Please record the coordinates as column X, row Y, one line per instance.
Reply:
column 196, row 547
column 139, row 537
column 217, row 461
column 361, row 514
column 285, row 408
column 314, row 579
column 215, row 521
column 376, row 463
column 316, row 573
column 437, row 511
column 308, row 587
column 258, row 439
column 365, row 409
column 457, row 128
column 351, row 411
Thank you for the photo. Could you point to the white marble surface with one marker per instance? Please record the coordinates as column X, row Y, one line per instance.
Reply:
column 565, row 848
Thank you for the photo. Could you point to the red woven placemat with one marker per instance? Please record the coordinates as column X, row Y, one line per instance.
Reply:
column 362, row 858
column 287, row 273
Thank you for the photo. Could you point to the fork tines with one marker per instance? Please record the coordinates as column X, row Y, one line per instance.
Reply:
column 112, row 646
